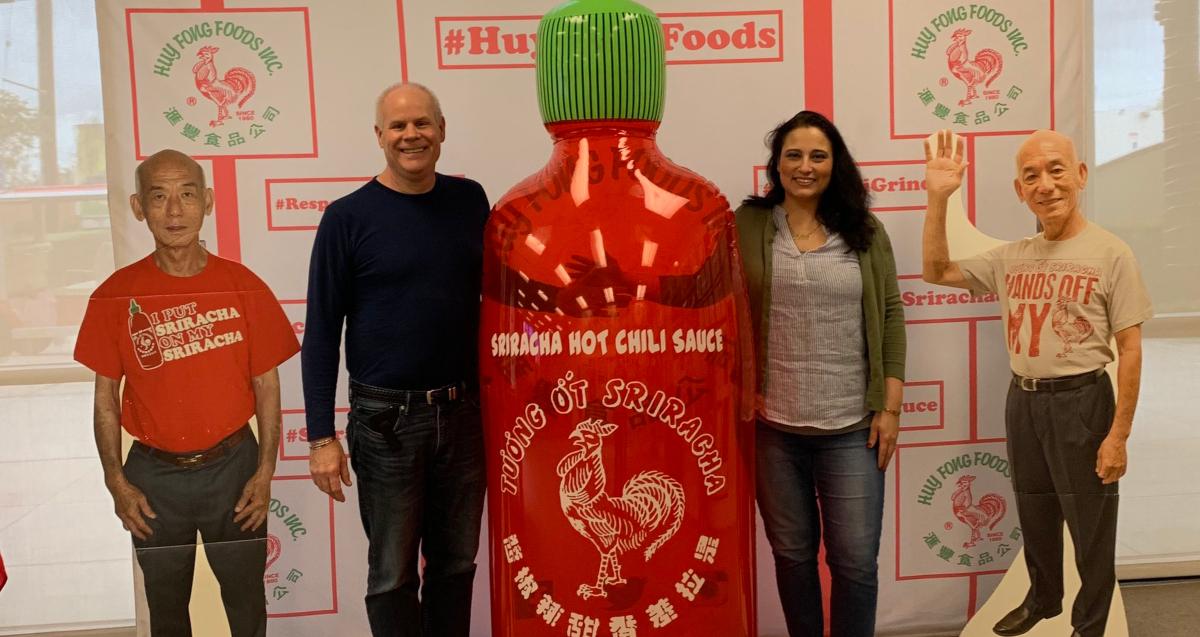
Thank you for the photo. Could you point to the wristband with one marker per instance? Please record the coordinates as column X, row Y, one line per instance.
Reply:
column 894, row 412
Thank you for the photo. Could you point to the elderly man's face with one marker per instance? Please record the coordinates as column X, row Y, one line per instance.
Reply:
column 410, row 133
column 1050, row 178
column 173, row 200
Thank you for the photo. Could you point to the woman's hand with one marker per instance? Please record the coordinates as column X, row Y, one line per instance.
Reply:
column 885, row 428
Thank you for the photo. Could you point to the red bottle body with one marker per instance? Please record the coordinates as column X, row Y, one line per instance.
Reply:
column 617, row 382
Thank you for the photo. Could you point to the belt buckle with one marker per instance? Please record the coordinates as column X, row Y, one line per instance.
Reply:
column 450, row 393
column 187, row 461
column 1032, row 384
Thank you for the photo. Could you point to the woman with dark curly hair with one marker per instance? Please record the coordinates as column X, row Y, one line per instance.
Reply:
column 829, row 328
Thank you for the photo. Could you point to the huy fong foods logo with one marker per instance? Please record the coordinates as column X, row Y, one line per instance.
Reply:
column 280, row 584
column 484, row 42
column 972, row 86
column 980, row 527
column 221, row 96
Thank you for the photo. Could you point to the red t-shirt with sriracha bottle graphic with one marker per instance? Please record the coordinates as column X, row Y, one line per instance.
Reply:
column 188, row 348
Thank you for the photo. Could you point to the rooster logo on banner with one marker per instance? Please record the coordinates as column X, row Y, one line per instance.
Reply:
column 644, row 517
column 982, row 515
column 234, row 88
column 983, row 69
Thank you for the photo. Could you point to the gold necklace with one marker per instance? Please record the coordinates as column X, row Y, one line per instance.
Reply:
column 801, row 236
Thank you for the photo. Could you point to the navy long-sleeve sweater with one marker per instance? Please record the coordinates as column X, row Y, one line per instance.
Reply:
column 402, row 272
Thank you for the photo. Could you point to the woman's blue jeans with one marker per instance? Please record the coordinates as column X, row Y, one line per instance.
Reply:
column 830, row 485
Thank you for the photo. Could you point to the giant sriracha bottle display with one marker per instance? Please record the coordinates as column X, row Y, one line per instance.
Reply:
column 615, row 363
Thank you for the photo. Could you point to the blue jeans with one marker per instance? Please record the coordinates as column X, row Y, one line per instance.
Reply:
column 796, row 473
column 420, row 486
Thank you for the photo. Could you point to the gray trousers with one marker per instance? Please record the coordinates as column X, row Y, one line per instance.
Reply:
column 188, row 501
column 1053, row 437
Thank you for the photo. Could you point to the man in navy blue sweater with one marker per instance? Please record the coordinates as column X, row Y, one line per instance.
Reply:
column 398, row 262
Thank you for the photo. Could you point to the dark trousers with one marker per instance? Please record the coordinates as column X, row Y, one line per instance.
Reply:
column 1053, row 438
column 191, row 500
column 421, row 480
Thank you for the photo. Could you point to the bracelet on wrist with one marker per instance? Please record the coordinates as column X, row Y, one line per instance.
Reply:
column 321, row 442
column 894, row 412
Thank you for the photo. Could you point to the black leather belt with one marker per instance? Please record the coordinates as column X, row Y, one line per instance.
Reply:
column 384, row 422
column 1062, row 383
column 437, row 396
column 197, row 459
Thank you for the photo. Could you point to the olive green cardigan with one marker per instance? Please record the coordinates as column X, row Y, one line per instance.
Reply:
column 883, row 312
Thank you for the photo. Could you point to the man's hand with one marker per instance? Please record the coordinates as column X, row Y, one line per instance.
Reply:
column 130, row 504
column 1110, row 459
column 944, row 168
column 329, row 469
column 885, row 429
column 251, row 508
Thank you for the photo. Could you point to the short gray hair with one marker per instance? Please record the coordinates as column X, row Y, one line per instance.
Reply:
column 437, row 105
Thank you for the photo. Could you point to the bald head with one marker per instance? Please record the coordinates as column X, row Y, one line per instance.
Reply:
column 1049, row 180
column 1043, row 142
column 168, row 158
column 406, row 87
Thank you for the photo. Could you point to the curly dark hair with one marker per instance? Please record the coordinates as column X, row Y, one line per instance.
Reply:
column 845, row 205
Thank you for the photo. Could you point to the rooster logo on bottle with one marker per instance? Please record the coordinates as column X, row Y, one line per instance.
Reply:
column 644, row 517
column 141, row 332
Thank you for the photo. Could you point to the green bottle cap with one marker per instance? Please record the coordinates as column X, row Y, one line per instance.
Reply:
column 600, row 59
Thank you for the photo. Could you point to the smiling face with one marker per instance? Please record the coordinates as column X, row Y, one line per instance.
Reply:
column 172, row 199
column 410, row 131
column 805, row 164
column 1049, row 179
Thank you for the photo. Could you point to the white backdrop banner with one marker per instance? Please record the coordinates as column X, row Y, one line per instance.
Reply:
column 276, row 98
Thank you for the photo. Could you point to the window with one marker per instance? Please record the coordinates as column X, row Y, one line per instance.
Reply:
column 55, row 244
column 68, row 559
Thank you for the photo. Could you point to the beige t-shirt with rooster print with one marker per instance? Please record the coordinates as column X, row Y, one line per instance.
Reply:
column 1062, row 301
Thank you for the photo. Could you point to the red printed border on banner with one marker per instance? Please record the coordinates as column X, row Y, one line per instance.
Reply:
column 298, row 327
column 968, row 134
column 510, row 46
column 940, row 297
column 873, row 187
column 960, row 319
column 899, row 498
column 137, row 141
column 283, row 455
column 776, row 13
column 332, row 564
column 761, row 181
column 941, row 405
column 286, row 203
column 818, row 59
